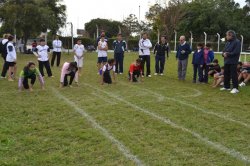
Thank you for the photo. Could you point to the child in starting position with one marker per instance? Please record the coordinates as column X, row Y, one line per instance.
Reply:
column 69, row 70
column 106, row 77
column 135, row 71
column 29, row 72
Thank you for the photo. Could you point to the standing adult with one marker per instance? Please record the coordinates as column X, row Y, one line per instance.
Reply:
column 182, row 54
column 231, row 55
column 99, row 37
column 144, row 53
column 57, row 50
column 119, row 46
column 3, row 46
column 160, row 51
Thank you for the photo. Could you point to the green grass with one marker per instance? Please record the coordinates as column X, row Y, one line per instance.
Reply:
column 40, row 128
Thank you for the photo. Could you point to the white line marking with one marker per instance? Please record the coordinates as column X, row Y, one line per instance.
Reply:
column 125, row 151
column 215, row 145
column 196, row 93
column 226, row 118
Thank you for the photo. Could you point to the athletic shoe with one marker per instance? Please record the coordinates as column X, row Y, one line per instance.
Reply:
column 120, row 73
column 142, row 76
column 149, row 76
column 3, row 77
column 156, row 74
column 10, row 79
column 242, row 84
column 224, row 89
column 234, row 91
column 161, row 74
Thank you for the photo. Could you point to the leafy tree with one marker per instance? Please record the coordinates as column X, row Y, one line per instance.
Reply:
column 132, row 24
column 28, row 18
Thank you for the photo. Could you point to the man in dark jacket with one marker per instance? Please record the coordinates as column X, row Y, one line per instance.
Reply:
column 160, row 51
column 231, row 55
column 119, row 46
column 4, row 53
column 182, row 53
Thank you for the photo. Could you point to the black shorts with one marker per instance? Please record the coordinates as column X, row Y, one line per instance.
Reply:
column 11, row 64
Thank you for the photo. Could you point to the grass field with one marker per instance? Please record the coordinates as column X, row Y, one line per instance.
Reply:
column 161, row 121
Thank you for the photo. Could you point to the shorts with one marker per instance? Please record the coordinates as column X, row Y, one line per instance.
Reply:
column 102, row 59
column 78, row 61
column 11, row 64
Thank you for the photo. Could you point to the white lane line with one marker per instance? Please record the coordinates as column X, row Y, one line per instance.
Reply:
column 103, row 98
column 125, row 151
column 226, row 118
column 196, row 93
column 218, row 146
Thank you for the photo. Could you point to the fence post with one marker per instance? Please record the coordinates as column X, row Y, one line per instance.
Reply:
column 218, row 48
column 205, row 37
column 175, row 38
column 242, row 42
column 191, row 44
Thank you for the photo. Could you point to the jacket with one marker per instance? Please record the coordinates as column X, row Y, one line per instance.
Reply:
column 233, row 49
column 185, row 47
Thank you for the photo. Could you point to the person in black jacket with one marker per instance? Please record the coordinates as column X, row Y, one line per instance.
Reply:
column 182, row 54
column 160, row 51
column 119, row 46
column 3, row 49
column 231, row 55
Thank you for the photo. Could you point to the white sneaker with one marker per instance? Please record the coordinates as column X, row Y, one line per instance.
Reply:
column 156, row 74
column 224, row 89
column 120, row 73
column 234, row 91
column 242, row 84
column 161, row 74
column 149, row 76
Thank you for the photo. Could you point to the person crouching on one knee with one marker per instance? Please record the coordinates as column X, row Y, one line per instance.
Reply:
column 106, row 76
column 30, row 72
column 70, row 70
column 135, row 71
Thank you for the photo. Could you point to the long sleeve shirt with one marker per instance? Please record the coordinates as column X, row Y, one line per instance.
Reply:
column 66, row 71
column 144, row 47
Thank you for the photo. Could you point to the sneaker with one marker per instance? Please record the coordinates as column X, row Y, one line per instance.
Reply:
column 161, row 74
column 242, row 84
column 234, row 91
column 10, row 79
column 156, row 74
column 120, row 73
column 149, row 76
column 224, row 89
column 142, row 76
column 3, row 77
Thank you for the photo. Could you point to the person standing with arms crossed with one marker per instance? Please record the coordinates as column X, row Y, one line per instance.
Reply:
column 182, row 54
column 231, row 55
column 144, row 53
column 119, row 46
column 57, row 51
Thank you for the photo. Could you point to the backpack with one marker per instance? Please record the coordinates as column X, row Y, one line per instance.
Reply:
column 3, row 48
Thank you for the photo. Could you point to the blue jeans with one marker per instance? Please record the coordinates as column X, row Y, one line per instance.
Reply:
column 119, row 62
column 198, row 68
column 159, row 63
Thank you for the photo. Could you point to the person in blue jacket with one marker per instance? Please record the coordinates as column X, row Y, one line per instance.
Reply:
column 208, row 58
column 198, row 61
column 182, row 54
column 231, row 55
column 119, row 46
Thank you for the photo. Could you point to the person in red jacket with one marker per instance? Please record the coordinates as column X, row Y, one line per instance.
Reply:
column 135, row 71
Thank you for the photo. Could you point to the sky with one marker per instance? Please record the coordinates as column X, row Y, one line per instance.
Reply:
column 81, row 11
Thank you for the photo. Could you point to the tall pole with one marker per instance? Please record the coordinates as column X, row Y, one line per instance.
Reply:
column 139, row 21
column 205, row 37
column 218, row 49
column 175, row 39
column 97, row 31
column 72, row 34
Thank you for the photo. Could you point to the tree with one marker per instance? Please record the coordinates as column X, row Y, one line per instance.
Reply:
column 132, row 24
column 110, row 27
column 28, row 18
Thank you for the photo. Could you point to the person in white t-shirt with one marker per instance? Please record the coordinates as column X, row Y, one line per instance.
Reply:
column 42, row 52
column 102, row 52
column 106, row 76
column 57, row 49
column 78, row 57
column 11, row 58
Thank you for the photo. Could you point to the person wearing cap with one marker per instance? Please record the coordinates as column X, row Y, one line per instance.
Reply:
column 57, row 50
column 231, row 54
column 42, row 52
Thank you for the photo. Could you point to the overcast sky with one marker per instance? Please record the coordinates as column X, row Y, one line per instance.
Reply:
column 80, row 11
